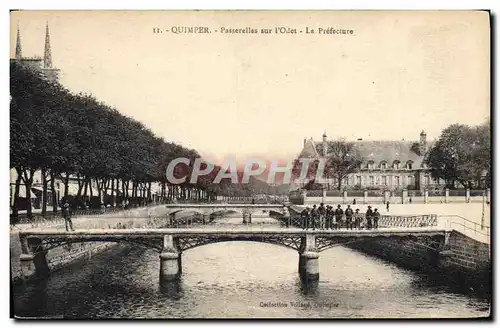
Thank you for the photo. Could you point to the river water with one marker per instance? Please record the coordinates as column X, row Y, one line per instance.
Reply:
column 242, row 280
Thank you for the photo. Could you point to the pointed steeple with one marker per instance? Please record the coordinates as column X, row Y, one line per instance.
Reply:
column 19, row 53
column 47, row 55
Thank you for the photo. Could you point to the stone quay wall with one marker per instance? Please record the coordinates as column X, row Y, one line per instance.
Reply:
column 460, row 258
column 62, row 256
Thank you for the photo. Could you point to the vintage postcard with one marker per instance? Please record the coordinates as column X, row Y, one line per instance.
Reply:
column 250, row 164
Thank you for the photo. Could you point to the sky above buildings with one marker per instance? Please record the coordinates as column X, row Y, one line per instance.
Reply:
column 258, row 94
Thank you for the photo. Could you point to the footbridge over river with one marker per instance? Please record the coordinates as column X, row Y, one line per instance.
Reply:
column 171, row 242
column 212, row 210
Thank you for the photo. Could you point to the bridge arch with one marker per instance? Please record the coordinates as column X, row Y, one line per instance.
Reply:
column 48, row 244
column 189, row 243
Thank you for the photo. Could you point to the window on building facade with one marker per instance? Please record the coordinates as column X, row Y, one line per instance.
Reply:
column 384, row 180
column 372, row 180
column 345, row 181
column 427, row 180
column 358, row 180
column 396, row 180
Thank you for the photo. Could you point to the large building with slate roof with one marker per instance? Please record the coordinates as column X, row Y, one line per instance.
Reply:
column 386, row 164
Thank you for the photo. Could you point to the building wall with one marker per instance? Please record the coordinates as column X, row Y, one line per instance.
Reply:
column 389, row 179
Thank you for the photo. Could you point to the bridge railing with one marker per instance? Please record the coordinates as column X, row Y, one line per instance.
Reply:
column 466, row 226
column 410, row 221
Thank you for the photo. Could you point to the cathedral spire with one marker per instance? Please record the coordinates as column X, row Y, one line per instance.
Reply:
column 47, row 56
column 19, row 53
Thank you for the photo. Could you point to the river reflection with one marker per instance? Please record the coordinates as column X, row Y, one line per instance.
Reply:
column 241, row 279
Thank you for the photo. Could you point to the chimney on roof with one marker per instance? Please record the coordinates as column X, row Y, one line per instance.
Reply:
column 423, row 143
column 305, row 140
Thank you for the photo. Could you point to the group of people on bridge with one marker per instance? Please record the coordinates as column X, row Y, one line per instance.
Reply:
column 326, row 217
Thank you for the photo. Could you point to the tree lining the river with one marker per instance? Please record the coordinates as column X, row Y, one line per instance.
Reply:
column 67, row 136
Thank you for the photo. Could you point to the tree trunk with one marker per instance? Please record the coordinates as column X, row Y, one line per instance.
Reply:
column 99, row 190
column 54, row 192
column 44, row 191
column 86, row 188
column 81, row 182
column 113, row 191
column 15, row 203
column 28, row 181
column 66, row 185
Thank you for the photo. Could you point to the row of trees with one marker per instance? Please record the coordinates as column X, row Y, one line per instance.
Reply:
column 68, row 136
column 462, row 155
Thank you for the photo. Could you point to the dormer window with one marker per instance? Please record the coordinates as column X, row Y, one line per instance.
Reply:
column 395, row 165
column 383, row 165
column 370, row 165
column 409, row 165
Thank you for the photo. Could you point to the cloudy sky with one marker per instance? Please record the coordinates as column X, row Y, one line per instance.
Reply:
column 257, row 94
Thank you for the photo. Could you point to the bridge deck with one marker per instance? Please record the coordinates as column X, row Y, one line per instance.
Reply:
column 250, row 230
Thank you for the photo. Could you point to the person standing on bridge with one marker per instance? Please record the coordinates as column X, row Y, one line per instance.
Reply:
column 304, row 215
column 329, row 217
column 348, row 216
column 339, row 213
column 357, row 219
column 67, row 216
column 376, row 217
column 368, row 215
column 314, row 217
column 321, row 215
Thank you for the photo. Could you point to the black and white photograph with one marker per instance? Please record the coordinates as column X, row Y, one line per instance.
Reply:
column 250, row 164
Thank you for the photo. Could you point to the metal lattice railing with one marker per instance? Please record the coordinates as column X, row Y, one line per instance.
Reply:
column 408, row 221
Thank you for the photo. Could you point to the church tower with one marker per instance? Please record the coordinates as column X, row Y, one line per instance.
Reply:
column 47, row 55
column 19, row 52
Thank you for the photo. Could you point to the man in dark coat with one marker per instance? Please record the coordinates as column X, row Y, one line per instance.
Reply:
column 314, row 217
column 321, row 215
column 376, row 217
column 369, row 214
column 339, row 213
column 348, row 216
column 305, row 218
column 329, row 217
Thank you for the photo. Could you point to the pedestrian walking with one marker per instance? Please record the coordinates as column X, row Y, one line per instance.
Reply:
column 368, row 217
column 387, row 206
column 67, row 216
column 376, row 217
column 348, row 217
